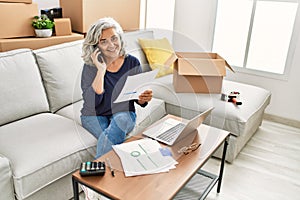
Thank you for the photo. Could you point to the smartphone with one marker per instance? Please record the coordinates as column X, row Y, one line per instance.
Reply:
column 100, row 57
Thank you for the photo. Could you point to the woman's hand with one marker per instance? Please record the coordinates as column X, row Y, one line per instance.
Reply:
column 98, row 83
column 101, row 66
column 146, row 96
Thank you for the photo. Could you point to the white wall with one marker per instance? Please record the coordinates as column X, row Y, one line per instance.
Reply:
column 46, row 4
column 195, row 18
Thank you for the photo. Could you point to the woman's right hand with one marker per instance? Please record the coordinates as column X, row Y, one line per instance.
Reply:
column 97, row 62
column 98, row 83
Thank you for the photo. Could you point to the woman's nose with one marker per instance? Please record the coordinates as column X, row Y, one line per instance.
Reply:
column 110, row 43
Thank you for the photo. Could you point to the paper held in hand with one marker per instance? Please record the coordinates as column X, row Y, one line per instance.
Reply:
column 135, row 85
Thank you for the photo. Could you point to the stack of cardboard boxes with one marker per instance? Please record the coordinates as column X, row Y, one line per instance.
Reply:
column 16, row 30
column 83, row 13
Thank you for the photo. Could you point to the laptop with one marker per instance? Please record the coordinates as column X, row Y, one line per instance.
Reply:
column 171, row 130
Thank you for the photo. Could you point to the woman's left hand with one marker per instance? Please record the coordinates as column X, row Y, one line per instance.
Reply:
column 146, row 96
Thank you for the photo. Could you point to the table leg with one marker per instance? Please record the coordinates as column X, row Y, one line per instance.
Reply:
column 75, row 189
column 222, row 164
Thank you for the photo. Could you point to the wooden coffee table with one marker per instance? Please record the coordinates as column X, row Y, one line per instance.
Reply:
column 161, row 185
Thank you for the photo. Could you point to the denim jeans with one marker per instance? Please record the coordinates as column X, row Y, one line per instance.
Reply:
column 109, row 130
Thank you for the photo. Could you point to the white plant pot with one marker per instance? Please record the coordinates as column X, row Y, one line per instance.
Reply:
column 43, row 32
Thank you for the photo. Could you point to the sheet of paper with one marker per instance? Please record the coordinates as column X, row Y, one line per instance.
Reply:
column 143, row 156
column 135, row 85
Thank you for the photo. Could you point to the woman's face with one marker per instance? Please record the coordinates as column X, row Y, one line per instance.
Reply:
column 109, row 43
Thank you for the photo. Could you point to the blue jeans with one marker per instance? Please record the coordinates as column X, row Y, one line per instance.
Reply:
column 109, row 130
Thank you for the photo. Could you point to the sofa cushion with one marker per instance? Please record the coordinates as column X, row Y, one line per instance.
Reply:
column 61, row 67
column 22, row 91
column 72, row 111
column 133, row 47
column 42, row 149
column 226, row 115
column 6, row 185
column 160, row 55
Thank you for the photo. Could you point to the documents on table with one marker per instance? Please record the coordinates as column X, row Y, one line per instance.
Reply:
column 144, row 156
column 135, row 85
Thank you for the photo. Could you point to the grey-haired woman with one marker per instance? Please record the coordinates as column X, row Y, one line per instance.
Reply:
column 104, row 73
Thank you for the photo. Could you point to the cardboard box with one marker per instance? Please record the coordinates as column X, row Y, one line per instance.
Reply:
column 17, row 1
column 199, row 72
column 16, row 19
column 83, row 13
column 62, row 26
column 36, row 43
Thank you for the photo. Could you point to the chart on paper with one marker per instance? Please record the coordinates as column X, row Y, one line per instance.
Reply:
column 144, row 156
column 135, row 85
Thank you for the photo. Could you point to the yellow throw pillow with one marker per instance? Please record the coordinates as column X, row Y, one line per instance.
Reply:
column 160, row 55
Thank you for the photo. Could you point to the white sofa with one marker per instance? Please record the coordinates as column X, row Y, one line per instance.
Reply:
column 41, row 140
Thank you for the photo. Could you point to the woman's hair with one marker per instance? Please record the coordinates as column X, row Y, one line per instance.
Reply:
column 93, row 35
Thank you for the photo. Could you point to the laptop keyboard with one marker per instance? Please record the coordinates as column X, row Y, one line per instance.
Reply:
column 171, row 133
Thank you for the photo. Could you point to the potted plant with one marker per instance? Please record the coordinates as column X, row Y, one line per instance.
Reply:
column 42, row 25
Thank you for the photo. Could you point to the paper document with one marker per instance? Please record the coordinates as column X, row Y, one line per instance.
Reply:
column 144, row 156
column 135, row 85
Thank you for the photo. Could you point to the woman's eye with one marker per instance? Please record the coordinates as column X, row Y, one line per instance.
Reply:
column 103, row 42
column 114, row 39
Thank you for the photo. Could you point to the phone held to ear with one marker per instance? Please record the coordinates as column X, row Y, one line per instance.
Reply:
column 99, row 57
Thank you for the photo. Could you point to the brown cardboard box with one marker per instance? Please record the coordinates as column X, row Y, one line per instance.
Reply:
column 83, row 13
column 62, row 26
column 36, row 43
column 16, row 19
column 199, row 72
column 17, row 1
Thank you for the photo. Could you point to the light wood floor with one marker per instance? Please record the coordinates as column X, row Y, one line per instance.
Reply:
column 267, row 168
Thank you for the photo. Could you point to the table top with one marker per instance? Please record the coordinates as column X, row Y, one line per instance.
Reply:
column 162, row 185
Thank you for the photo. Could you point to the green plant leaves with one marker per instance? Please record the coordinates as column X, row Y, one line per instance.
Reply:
column 42, row 22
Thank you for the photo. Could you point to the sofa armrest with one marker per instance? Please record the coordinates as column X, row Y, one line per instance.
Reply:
column 6, row 182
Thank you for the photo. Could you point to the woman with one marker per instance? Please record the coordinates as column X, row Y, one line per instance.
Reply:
column 104, row 73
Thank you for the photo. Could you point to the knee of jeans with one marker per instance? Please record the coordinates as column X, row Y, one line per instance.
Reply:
column 92, row 125
column 125, row 122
